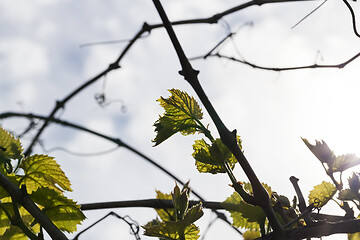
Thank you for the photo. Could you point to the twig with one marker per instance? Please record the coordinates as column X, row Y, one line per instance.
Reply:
column 339, row 66
column 353, row 17
column 302, row 204
column 307, row 15
column 134, row 226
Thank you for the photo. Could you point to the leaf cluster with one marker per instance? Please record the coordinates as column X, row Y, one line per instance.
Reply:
column 44, row 181
column 326, row 191
column 176, row 223
column 183, row 114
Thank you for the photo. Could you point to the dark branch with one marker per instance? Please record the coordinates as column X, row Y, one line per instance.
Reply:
column 353, row 17
column 219, row 55
column 228, row 138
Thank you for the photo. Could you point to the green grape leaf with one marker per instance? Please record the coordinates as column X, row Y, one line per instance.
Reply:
column 237, row 208
column 167, row 214
column 10, row 146
column 348, row 195
column 321, row 194
column 247, row 186
column 43, row 171
column 181, row 115
column 354, row 236
column 211, row 158
column 63, row 212
column 6, row 229
column 322, row 151
column 193, row 214
column 344, row 162
column 181, row 202
column 250, row 235
column 354, row 183
column 171, row 230
column 13, row 233
column 4, row 219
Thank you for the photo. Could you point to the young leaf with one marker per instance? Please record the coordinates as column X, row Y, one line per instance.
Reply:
column 250, row 235
column 354, row 183
column 13, row 233
column 354, row 236
column 321, row 194
column 322, row 151
column 344, row 162
column 193, row 214
column 9, row 231
column 10, row 146
column 181, row 202
column 171, row 230
column 165, row 214
column 348, row 195
column 63, row 212
column 234, row 204
column 181, row 115
column 211, row 158
column 4, row 219
column 43, row 171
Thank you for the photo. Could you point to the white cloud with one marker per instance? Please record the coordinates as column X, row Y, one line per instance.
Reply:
column 22, row 58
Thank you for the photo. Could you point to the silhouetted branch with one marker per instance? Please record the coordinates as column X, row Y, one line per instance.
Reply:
column 353, row 17
column 134, row 226
column 162, row 203
column 219, row 55
column 302, row 204
column 322, row 229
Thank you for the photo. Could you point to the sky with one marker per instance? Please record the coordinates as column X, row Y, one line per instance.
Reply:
column 42, row 60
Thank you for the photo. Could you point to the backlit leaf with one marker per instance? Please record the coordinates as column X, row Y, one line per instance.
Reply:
column 344, row 162
column 13, row 233
column 181, row 115
column 236, row 206
column 4, row 219
column 167, row 214
column 322, row 151
column 250, row 235
column 211, row 158
column 322, row 193
column 8, row 231
column 348, row 195
column 354, row 183
column 63, row 212
column 193, row 214
column 43, row 171
column 354, row 236
column 171, row 230
column 10, row 146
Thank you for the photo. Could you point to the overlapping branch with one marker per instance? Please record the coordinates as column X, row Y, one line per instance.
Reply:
column 188, row 72
column 118, row 142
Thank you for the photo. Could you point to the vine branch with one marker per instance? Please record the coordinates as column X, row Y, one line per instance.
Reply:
column 261, row 196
